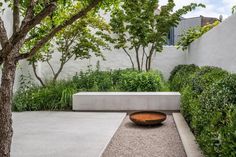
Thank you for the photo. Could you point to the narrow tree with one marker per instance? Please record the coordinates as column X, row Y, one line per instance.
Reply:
column 78, row 41
column 27, row 15
column 142, row 26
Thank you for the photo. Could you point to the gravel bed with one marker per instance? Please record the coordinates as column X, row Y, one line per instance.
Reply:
column 136, row 141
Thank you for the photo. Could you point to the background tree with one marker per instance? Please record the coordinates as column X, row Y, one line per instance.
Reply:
column 77, row 41
column 27, row 16
column 142, row 26
column 194, row 33
column 233, row 9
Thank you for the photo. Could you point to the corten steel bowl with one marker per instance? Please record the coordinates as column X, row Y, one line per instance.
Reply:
column 147, row 118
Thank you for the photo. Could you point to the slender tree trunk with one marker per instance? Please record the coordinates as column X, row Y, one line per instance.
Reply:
column 58, row 72
column 6, row 92
column 137, row 58
column 146, row 64
column 36, row 75
column 130, row 58
column 144, row 52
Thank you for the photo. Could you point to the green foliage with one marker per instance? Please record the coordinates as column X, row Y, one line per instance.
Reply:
column 78, row 41
column 142, row 24
column 216, row 134
column 198, row 82
column 51, row 97
column 134, row 81
column 58, row 95
column 180, row 76
column 208, row 103
column 233, row 9
column 194, row 33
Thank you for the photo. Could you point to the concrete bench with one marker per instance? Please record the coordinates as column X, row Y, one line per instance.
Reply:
column 126, row 101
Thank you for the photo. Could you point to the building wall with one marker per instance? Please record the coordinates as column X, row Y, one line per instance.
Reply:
column 184, row 25
column 216, row 47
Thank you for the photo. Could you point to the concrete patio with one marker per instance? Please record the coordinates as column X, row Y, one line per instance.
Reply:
column 63, row 134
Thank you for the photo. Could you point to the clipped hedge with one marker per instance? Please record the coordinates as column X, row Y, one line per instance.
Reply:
column 57, row 96
column 198, row 82
column 208, row 103
column 180, row 75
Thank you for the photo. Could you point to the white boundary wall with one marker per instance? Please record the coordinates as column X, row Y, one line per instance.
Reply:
column 117, row 59
column 216, row 47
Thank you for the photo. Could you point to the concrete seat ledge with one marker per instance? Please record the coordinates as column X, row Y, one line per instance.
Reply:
column 126, row 101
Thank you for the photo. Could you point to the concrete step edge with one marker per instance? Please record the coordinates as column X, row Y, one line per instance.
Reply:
column 191, row 147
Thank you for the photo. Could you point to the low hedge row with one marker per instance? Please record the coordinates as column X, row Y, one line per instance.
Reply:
column 208, row 103
column 57, row 96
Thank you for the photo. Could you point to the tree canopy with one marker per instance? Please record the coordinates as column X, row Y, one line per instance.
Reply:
column 143, row 26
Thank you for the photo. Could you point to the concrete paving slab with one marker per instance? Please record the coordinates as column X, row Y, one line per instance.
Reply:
column 63, row 134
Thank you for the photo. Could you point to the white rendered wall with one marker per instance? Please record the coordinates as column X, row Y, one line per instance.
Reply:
column 217, row 47
column 117, row 59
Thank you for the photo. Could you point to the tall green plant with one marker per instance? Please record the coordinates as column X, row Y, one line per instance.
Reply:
column 142, row 26
column 76, row 42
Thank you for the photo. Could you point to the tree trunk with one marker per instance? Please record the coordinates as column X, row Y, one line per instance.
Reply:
column 137, row 58
column 36, row 75
column 6, row 92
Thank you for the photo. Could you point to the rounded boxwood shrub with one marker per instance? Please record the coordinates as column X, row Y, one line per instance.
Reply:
column 216, row 120
column 180, row 76
column 208, row 103
column 198, row 82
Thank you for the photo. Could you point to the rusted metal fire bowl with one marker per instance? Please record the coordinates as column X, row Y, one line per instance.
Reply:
column 147, row 118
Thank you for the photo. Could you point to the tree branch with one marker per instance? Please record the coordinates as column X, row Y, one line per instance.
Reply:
column 16, row 16
column 3, row 34
column 1, row 58
column 29, row 13
column 33, row 22
column 36, row 75
column 47, row 37
column 130, row 58
column 53, row 72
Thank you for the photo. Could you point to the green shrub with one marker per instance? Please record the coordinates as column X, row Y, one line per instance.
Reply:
column 52, row 97
column 217, row 122
column 141, row 81
column 58, row 96
column 198, row 82
column 208, row 103
column 180, row 76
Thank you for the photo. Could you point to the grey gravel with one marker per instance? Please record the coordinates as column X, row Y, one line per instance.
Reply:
column 136, row 141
